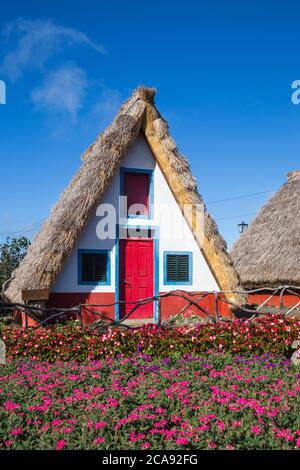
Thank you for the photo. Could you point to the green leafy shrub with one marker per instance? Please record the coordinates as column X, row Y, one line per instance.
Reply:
column 272, row 334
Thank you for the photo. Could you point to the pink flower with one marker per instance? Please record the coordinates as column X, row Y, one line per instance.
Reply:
column 207, row 418
column 259, row 410
column 136, row 436
column 16, row 431
column 56, row 422
column 277, row 398
column 183, row 441
column 176, row 419
column 236, row 424
column 230, row 447
column 99, row 440
column 100, row 424
column 298, row 442
column 146, row 445
column 160, row 424
column 160, row 410
column 256, row 430
column 45, row 427
column 67, row 430
column 220, row 425
column 285, row 434
column 10, row 406
column 8, row 443
column 212, row 445
column 203, row 427
column 60, row 444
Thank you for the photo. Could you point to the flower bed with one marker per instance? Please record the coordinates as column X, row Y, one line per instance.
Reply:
column 211, row 402
column 273, row 335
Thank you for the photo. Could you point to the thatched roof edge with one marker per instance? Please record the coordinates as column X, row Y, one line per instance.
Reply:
column 268, row 253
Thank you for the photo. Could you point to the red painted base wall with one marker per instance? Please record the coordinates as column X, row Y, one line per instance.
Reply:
column 69, row 300
column 169, row 306
column 288, row 300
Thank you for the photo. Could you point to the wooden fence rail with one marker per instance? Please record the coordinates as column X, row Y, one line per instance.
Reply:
column 47, row 316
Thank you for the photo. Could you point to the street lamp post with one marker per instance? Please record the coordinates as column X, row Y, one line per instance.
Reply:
column 242, row 227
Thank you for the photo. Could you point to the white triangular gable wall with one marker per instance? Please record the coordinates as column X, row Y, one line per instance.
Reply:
column 140, row 157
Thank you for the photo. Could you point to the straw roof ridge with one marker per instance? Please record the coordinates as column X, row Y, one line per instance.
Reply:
column 58, row 235
column 268, row 253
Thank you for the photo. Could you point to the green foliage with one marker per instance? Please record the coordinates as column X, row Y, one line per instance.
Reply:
column 272, row 334
column 12, row 251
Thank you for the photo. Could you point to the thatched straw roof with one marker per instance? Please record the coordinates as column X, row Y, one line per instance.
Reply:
column 55, row 241
column 268, row 253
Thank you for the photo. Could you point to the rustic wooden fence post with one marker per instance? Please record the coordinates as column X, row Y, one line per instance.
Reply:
column 80, row 317
column 159, row 311
column 216, row 306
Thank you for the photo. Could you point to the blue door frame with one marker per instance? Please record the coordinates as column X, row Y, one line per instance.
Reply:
column 155, row 267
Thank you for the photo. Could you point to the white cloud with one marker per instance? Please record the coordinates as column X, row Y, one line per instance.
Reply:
column 37, row 41
column 62, row 91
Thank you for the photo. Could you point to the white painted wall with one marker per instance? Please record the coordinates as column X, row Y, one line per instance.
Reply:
column 174, row 232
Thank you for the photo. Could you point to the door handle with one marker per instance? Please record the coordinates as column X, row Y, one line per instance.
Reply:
column 126, row 282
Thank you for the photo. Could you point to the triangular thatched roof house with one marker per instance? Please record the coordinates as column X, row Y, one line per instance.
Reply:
column 138, row 120
column 268, row 253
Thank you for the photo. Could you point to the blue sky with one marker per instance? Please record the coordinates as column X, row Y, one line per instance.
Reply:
column 223, row 71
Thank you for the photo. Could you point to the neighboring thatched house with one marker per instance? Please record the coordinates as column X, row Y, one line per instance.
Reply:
column 71, row 261
column 268, row 253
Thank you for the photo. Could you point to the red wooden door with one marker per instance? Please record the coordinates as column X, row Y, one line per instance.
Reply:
column 136, row 276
